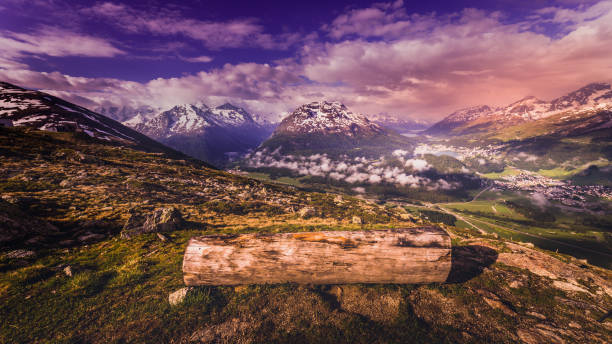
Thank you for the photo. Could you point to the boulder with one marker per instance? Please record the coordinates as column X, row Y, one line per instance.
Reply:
column 160, row 220
column 306, row 212
column 163, row 220
column 357, row 220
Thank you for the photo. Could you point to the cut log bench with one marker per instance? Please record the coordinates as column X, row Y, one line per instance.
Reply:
column 409, row 255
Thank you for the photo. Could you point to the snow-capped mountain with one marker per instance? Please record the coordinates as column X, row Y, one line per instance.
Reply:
column 22, row 107
column 125, row 113
column 458, row 118
column 213, row 134
column 327, row 118
column 398, row 124
column 593, row 97
column 325, row 126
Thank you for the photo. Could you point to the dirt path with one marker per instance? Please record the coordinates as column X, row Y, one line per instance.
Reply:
column 480, row 193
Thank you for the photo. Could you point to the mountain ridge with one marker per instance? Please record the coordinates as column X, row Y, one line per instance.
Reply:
column 589, row 98
column 42, row 111
column 214, row 134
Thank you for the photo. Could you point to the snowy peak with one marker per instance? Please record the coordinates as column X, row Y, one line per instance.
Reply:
column 524, row 109
column 469, row 113
column 230, row 115
column 327, row 118
column 193, row 119
column 21, row 107
column 181, row 119
column 127, row 113
column 593, row 95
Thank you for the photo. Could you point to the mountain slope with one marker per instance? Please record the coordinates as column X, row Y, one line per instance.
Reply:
column 116, row 290
column 213, row 134
column 330, row 127
column 586, row 109
column 22, row 107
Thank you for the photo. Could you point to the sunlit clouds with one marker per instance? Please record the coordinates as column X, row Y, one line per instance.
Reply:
column 378, row 59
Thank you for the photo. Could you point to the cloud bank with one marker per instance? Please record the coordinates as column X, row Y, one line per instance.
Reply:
column 376, row 59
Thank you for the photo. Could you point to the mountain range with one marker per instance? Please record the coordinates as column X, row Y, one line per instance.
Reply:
column 325, row 126
column 586, row 109
column 22, row 107
column 213, row 134
column 401, row 125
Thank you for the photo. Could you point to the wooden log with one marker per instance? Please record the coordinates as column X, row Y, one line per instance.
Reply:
column 410, row 255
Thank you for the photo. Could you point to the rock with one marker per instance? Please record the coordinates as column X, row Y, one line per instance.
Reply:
column 162, row 237
column 537, row 315
column 21, row 254
column 163, row 220
column 179, row 296
column 68, row 271
column 405, row 217
column 17, row 226
column 65, row 183
column 357, row 220
column 91, row 237
column 306, row 212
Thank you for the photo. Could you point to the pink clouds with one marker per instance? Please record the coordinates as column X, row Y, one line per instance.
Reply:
column 380, row 59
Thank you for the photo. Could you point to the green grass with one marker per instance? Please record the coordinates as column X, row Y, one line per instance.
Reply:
column 486, row 208
column 508, row 171
column 282, row 180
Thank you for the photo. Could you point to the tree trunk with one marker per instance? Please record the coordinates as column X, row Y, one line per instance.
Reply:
column 410, row 255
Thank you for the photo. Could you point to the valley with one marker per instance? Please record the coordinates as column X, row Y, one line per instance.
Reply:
column 96, row 216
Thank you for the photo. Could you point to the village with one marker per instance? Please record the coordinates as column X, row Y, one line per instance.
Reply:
column 553, row 190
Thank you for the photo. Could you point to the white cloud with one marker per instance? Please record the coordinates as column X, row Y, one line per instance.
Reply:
column 417, row 164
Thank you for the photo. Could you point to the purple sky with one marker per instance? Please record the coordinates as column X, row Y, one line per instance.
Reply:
column 420, row 59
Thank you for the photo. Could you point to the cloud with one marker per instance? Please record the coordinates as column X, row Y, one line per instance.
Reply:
column 375, row 59
column 539, row 199
column 49, row 41
column 417, row 164
column 198, row 59
column 213, row 34
column 359, row 170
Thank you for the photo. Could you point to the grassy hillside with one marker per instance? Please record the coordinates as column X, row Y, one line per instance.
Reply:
column 116, row 290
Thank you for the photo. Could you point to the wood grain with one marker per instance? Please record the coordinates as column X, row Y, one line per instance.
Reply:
column 410, row 255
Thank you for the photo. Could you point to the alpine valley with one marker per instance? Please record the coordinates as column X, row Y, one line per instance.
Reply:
column 95, row 215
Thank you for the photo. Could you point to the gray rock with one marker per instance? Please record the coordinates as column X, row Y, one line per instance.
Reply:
column 161, row 220
column 91, row 237
column 179, row 296
column 21, row 254
column 306, row 212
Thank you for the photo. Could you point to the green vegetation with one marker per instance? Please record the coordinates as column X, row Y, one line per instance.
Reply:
column 113, row 290
column 508, row 171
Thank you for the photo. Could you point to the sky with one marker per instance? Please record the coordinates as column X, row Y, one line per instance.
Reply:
column 410, row 59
